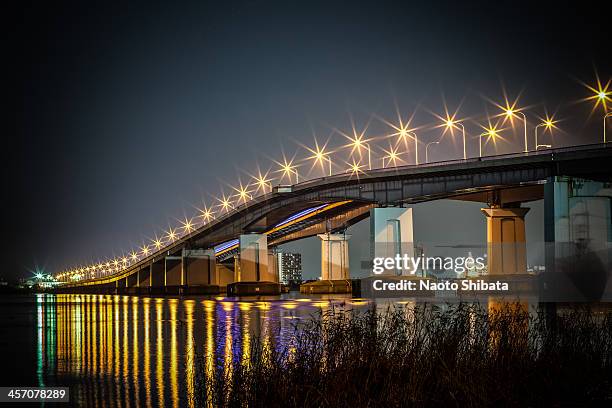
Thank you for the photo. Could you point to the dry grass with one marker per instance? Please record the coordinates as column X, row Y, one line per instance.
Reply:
column 454, row 355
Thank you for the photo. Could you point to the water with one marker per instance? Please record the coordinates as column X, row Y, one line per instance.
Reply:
column 139, row 351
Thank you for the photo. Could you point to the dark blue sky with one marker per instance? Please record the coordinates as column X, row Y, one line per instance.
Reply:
column 131, row 113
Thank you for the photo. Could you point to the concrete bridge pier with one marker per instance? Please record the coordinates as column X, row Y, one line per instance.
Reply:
column 506, row 244
column 335, row 277
column 391, row 234
column 199, row 272
column 578, row 239
column 252, row 275
column 173, row 275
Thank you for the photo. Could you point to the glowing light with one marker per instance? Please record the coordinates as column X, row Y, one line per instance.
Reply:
column 404, row 132
column 288, row 169
column 187, row 226
column 157, row 242
column 358, row 141
column 319, row 156
column 491, row 132
column 601, row 94
column 356, row 168
column 145, row 250
column 134, row 256
column 450, row 124
column 206, row 214
column 262, row 181
column 547, row 123
column 225, row 203
column 243, row 193
column 171, row 234
column 391, row 156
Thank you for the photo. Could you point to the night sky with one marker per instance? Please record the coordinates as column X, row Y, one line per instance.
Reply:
column 129, row 115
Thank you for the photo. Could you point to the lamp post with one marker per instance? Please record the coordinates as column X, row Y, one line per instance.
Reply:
column 607, row 115
column 450, row 124
column 319, row 156
column 491, row 132
column 547, row 124
column 357, row 144
column 403, row 133
column 427, row 147
column 511, row 112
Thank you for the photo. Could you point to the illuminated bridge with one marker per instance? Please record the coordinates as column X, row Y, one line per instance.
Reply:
column 237, row 247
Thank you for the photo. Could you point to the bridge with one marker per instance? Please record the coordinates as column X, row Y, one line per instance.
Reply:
column 235, row 252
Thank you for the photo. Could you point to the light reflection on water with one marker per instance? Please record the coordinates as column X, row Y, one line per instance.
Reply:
column 135, row 351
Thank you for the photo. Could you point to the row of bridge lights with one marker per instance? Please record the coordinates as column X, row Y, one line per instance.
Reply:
column 319, row 156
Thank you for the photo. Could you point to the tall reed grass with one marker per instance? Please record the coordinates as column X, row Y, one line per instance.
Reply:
column 430, row 356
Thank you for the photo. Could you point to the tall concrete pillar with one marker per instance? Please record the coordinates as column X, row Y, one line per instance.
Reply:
column 253, row 264
column 144, row 276
column 506, row 245
column 578, row 235
column 174, row 271
column 334, row 256
column 391, row 233
column 199, row 267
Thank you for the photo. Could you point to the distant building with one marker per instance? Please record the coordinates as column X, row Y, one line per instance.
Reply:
column 290, row 268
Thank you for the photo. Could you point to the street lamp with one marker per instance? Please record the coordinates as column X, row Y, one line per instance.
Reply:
column 491, row 133
column 427, row 147
column 607, row 115
column 391, row 155
column 510, row 112
column 287, row 169
column 403, row 133
column 450, row 123
column 357, row 143
column 547, row 124
column 319, row 155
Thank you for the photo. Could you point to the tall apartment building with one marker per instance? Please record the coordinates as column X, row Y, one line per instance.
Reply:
column 290, row 268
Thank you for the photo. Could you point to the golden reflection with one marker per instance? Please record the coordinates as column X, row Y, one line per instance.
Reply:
column 228, row 307
column 135, row 352
column 78, row 346
column 190, row 352
column 126, row 371
column 245, row 308
column 109, row 337
column 117, row 367
column 173, row 353
column 147, row 349
column 209, row 351
column 107, row 341
column 159, row 314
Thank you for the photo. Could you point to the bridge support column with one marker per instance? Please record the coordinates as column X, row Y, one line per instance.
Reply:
column 199, row 268
column 144, row 279
column 335, row 276
column 391, row 234
column 334, row 256
column 506, row 245
column 253, row 258
column 173, row 273
column 251, row 273
column 578, row 238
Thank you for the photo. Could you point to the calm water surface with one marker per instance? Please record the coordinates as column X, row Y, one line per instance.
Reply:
column 139, row 351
